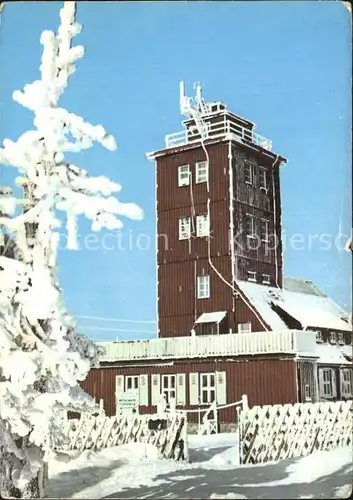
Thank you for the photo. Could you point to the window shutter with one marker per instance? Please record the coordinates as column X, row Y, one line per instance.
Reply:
column 194, row 388
column 180, row 393
column 221, row 388
column 156, row 389
column 119, row 385
column 342, row 384
column 143, row 384
column 321, row 383
column 334, row 383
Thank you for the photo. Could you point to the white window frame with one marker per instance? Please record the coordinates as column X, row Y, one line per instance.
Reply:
column 333, row 339
column 244, row 327
column 327, row 382
column 251, row 166
column 184, row 175
column 184, row 228
column 252, row 276
column 207, row 390
column 201, row 168
column 266, row 279
column 250, row 217
column 203, row 287
column 202, row 225
column 133, row 379
column 169, row 391
column 319, row 338
column 263, row 171
column 340, row 338
column 267, row 225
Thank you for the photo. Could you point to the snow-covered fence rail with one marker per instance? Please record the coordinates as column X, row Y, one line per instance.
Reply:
column 167, row 432
column 284, row 431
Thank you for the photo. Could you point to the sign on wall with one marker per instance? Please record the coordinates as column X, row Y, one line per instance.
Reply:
column 128, row 402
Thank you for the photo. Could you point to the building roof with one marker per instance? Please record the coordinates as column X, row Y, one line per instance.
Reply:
column 302, row 300
column 212, row 317
column 334, row 354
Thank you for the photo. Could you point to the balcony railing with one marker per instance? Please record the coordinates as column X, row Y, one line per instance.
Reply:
column 285, row 342
column 218, row 130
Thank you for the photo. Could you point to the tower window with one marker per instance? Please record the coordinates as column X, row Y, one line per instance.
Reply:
column 262, row 178
column 202, row 225
column 244, row 328
column 250, row 226
column 203, row 287
column 184, row 228
column 266, row 279
column 249, row 172
column 264, row 229
column 184, row 175
column 201, row 172
column 252, row 276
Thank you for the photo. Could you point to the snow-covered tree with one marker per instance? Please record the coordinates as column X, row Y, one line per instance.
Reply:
column 42, row 358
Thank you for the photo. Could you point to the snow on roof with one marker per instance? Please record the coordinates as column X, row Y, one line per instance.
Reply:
column 300, row 299
column 334, row 355
column 213, row 317
column 260, row 298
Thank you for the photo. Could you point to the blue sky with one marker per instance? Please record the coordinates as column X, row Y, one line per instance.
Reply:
column 284, row 65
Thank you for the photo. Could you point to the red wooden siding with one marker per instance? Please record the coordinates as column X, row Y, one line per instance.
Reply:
column 265, row 381
column 180, row 262
column 250, row 199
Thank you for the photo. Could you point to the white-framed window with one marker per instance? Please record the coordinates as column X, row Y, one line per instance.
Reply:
column 250, row 226
column 327, row 382
column 340, row 338
column 319, row 338
column 333, row 339
column 207, row 388
column 203, row 287
column 346, row 382
column 184, row 175
column 169, row 387
column 131, row 382
column 264, row 229
column 266, row 279
column 262, row 178
column 202, row 225
column 249, row 170
column 184, row 228
column 201, row 172
column 244, row 328
column 252, row 276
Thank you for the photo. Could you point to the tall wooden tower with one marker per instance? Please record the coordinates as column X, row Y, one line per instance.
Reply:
column 218, row 209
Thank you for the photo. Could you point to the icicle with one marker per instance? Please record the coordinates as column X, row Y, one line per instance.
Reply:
column 71, row 226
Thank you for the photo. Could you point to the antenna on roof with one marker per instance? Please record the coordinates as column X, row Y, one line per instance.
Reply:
column 194, row 109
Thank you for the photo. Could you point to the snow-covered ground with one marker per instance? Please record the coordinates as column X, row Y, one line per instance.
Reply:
column 138, row 471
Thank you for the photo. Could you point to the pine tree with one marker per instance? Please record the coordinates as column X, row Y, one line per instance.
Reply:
column 42, row 358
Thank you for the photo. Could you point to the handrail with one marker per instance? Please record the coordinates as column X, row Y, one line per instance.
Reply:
column 284, row 341
column 216, row 130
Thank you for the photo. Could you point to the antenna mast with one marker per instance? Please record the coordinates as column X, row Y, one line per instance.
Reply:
column 194, row 109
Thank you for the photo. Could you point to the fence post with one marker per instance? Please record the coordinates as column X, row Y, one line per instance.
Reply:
column 245, row 402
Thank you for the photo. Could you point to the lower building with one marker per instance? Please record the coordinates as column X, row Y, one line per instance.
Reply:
column 275, row 367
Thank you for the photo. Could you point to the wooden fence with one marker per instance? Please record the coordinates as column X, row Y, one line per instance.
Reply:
column 272, row 433
column 94, row 432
